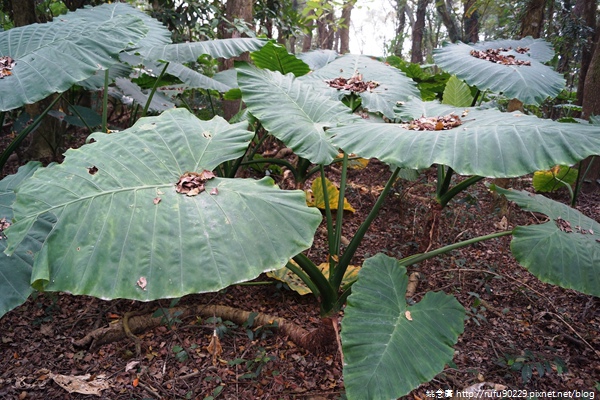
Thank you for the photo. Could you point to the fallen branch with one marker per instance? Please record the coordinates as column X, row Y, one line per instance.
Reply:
column 313, row 341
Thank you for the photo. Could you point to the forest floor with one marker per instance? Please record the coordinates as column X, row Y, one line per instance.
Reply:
column 519, row 333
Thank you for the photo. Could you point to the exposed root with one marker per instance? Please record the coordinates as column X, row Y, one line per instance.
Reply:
column 313, row 341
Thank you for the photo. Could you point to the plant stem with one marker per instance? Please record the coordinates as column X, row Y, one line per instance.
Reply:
column 329, row 219
column 154, row 87
column 580, row 179
column 105, row 103
column 21, row 136
column 444, row 180
column 417, row 258
column 360, row 233
column 449, row 195
column 340, row 208
column 327, row 292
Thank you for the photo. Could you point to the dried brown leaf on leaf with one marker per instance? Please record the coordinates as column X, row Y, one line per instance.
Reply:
column 192, row 183
column 493, row 55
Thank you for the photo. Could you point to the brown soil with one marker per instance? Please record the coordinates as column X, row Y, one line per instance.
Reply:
column 510, row 314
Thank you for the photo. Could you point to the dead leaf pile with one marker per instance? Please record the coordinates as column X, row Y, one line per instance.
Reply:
column 192, row 183
column 6, row 65
column 493, row 55
column 434, row 123
column 354, row 84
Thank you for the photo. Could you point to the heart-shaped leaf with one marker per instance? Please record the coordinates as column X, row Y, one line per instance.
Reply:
column 388, row 84
column 390, row 347
column 564, row 251
column 275, row 57
column 487, row 143
column 125, row 229
column 292, row 112
column 51, row 57
column 527, row 80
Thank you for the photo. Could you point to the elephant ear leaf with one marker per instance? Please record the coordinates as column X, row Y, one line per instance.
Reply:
column 15, row 271
column 379, row 86
column 564, row 251
column 382, row 336
column 139, row 214
column 513, row 68
column 67, row 51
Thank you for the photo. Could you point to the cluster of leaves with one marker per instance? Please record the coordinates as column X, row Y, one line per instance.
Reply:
column 93, row 225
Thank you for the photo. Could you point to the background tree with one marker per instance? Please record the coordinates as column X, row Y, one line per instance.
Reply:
column 416, row 53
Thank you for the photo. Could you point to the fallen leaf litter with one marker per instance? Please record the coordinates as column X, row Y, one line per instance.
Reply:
column 433, row 123
column 192, row 183
column 354, row 84
column 6, row 65
column 493, row 55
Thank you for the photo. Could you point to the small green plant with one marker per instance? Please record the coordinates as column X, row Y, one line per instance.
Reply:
column 180, row 353
column 528, row 362
column 255, row 365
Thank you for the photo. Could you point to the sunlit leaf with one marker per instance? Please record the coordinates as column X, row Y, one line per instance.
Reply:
column 553, row 179
column 296, row 284
column 317, row 199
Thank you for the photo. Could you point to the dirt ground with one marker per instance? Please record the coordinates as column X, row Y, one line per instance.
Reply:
column 519, row 333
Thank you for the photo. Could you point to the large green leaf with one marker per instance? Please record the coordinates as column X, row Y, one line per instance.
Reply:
column 488, row 143
column 186, row 52
column 15, row 271
column 564, row 251
column 392, row 84
column 194, row 79
column 157, row 35
column 457, row 93
column 292, row 112
column 318, row 58
column 159, row 101
column 275, row 57
column 122, row 229
column 390, row 347
column 531, row 84
column 52, row 57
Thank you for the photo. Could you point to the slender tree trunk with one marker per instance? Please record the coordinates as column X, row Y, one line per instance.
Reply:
column 584, row 9
column 240, row 9
column 345, row 29
column 532, row 23
column 444, row 9
column 417, row 33
column 325, row 31
column 401, row 11
column 471, row 22
column 591, row 106
column 307, row 40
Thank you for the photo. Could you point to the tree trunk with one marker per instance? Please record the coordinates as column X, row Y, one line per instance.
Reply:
column 345, row 29
column 471, row 22
column 240, row 9
column 444, row 9
column 325, row 31
column 533, row 20
column 417, row 33
column 585, row 9
column 591, row 106
column 398, row 43
column 307, row 40
column 43, row 140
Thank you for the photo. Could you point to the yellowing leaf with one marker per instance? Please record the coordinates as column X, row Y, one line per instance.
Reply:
column 296, row 284
column 355, row 163
column 551, row 180
column 318, row 200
